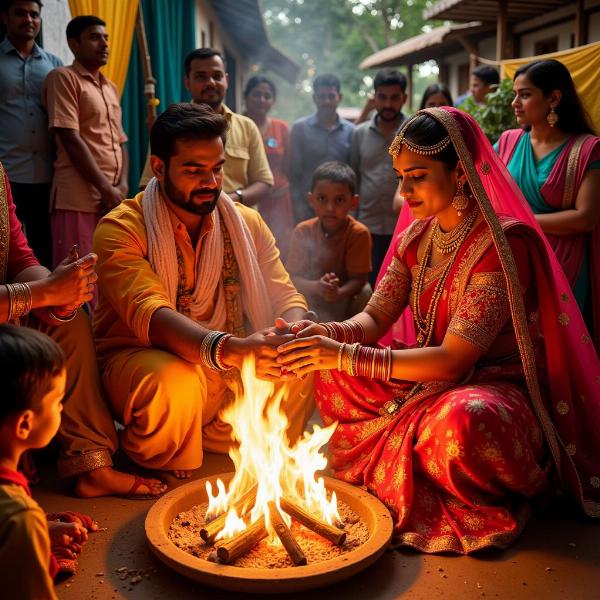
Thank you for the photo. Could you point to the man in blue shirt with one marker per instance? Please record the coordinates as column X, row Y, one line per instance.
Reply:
column 26, row 148
column 316, row 139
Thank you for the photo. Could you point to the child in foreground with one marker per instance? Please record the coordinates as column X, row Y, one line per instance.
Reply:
column 32, row 548
column 330, row 255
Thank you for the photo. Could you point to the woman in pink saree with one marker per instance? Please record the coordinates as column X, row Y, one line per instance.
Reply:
column 555, row 160
column 500, row 392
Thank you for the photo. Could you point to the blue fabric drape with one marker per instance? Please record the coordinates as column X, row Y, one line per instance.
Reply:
column 171, row 34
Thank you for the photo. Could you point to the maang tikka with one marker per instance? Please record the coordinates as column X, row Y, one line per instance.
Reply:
column 460, row 201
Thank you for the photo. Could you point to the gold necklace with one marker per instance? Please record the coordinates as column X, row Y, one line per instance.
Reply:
column 425, row 324
column 447, row 242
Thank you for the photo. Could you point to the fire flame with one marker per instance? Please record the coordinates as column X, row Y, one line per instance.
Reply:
column 263, row 456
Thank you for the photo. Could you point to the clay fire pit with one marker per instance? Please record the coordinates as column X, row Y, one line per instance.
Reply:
column 265, row 580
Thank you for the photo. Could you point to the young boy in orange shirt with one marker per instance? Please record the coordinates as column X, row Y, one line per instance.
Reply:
column 330, row 255
column 33, row 379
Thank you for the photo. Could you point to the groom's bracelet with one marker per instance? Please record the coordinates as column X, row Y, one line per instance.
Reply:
column 211, row 344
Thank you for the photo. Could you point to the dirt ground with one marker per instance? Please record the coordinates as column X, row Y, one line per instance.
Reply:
column 557, row 557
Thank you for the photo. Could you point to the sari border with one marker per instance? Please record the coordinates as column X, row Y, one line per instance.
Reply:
column 414, row 230
column 4, row 226
column 568, row 198
column 467, row 544
column 517, row 303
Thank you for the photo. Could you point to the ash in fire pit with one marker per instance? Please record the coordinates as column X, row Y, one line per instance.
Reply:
column 185, row 534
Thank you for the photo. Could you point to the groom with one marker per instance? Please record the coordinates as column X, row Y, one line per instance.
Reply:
column 190, row 285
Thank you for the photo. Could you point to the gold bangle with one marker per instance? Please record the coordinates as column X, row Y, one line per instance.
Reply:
column 339, row 356
column 66, row 319
column 20, row 300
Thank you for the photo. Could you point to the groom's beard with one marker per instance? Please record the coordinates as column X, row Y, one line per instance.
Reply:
column 188, row 203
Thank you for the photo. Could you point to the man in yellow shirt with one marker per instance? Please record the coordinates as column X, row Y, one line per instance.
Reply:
column 247, row 176
column 186, row 293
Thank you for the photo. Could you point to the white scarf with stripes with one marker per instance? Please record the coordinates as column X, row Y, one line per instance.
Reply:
column 208, row 289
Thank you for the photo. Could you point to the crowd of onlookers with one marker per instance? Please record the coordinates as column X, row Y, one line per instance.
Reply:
column 63, row 148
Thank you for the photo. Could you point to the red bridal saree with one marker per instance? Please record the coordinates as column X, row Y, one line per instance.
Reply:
column 457, row 463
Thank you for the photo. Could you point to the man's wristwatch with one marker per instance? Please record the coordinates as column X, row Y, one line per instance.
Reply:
column 240, row 195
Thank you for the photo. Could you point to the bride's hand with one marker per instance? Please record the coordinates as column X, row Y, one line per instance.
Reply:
column 306, row 354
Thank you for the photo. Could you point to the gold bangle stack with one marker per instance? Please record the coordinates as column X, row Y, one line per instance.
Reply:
column 345, row 331
column 19, row 300
column 351, row 352
column 211, row 350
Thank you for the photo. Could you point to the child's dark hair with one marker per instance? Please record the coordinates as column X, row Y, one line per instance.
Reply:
column 487, row 74
column 336, row 171
column 29, row 360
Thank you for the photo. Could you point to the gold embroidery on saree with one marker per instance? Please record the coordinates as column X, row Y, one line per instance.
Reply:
column 391, row 294
column 568, row 199
column 4, row 227
column 483, row 311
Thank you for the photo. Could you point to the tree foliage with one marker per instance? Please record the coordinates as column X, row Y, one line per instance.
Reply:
column 335, row 36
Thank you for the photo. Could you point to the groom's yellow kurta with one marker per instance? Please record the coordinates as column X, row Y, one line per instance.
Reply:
column 168, row 405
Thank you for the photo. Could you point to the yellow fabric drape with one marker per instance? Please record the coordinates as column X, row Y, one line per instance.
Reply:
column 583, row 63
column 120, row 25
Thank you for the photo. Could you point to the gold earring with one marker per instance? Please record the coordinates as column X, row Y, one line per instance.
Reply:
column 460, row 201
column 552, row 117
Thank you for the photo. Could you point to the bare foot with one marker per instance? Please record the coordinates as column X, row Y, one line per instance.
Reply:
column 182, row 473
column 106, row 481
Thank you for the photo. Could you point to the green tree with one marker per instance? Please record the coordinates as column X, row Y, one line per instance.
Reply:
column 497, row 114
column 335, row 36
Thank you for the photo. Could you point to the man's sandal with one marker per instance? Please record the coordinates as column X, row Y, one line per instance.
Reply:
column 137, row 483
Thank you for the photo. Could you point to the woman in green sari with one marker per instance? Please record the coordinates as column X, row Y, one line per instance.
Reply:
column 555, row 160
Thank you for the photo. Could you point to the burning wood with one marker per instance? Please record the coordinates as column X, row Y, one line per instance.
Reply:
column 230, row 549
column 260, row 426
column 210, row 531
column 333, row 534
column 285, row 535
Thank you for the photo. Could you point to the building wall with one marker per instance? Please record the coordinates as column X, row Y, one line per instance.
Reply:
column 563, row 31
column 594, row 27
column 55, row 16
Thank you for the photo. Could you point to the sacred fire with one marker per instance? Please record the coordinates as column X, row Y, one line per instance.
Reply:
column 273, row 482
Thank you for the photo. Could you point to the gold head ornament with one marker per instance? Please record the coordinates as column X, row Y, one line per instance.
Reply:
column 400, row 140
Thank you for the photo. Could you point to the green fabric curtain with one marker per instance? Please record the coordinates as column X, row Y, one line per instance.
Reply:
column 171, row 33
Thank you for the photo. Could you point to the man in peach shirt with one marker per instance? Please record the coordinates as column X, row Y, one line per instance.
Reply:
column 190, row 285
column 84, row 113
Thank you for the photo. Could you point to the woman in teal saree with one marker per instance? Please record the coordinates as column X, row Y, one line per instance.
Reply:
column 555, row 160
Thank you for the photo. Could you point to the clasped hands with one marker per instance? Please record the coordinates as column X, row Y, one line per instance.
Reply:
column 72, row 283
column 286, row 351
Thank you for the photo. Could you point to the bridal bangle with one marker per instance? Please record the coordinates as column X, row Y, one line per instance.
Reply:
column 365, row 361
column 346, row 331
